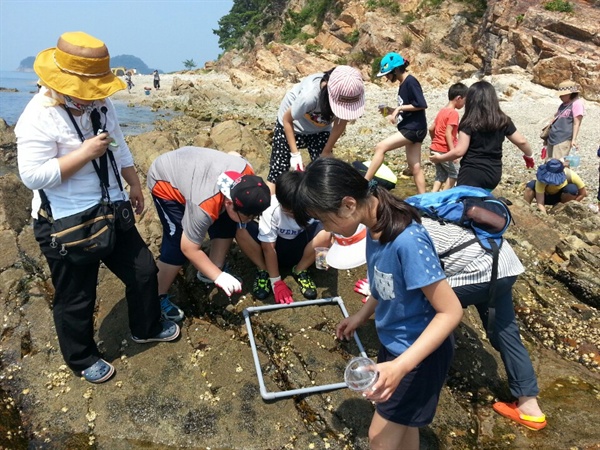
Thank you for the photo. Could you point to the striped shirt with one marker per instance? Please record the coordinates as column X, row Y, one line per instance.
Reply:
column 473, row 264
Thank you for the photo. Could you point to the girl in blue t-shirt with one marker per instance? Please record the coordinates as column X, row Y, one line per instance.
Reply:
column 415, row 308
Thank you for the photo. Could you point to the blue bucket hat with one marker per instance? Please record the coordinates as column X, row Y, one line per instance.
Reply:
column 552, row 173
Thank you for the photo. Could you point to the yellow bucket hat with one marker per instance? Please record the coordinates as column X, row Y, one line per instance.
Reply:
column 79, row 66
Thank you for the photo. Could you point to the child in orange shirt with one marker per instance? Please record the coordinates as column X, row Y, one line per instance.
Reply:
column 443, row 132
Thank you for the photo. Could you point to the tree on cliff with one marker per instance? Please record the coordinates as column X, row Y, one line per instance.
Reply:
column 246, row 20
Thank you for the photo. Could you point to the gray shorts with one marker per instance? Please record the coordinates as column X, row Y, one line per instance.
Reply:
column 446, row 169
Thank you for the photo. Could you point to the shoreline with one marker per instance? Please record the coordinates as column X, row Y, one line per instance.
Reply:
column 529, row 105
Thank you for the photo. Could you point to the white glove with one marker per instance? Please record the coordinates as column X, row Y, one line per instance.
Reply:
column 228, row 283
column 296, row 161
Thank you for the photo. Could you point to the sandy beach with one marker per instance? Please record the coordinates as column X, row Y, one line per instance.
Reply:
column 142, row 83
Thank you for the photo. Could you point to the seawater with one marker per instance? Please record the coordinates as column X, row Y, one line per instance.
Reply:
column 133, row 120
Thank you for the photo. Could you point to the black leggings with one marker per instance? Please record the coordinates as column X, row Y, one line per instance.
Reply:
column 280, row 149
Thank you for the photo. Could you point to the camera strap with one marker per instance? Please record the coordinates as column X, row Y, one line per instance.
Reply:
column 101, row 170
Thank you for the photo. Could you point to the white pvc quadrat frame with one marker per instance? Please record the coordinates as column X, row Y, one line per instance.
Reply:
column 266, row 395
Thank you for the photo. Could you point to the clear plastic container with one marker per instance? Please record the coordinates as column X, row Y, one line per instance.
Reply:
column 361, row 374
column 573, row 158
column 321, row 258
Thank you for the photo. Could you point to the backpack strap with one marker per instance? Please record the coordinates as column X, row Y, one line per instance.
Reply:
column 492, row 292
column 458, row 248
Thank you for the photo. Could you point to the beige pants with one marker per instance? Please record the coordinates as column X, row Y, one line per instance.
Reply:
column 558, row 151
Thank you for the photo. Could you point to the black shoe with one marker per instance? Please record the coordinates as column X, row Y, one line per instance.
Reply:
column 261, row 288
column 307, row 285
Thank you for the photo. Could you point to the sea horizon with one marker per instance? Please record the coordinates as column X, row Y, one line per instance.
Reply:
column 134, row 121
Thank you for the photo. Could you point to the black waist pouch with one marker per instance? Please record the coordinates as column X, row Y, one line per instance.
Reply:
column 125, row 217
column 87, row 236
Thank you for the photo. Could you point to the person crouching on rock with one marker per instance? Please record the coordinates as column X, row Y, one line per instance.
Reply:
column 313, row 115
column 58, row 145
column 198, row 191
column 554, row 184
column 278, row 241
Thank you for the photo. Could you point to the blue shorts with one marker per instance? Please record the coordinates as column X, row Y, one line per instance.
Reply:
column 289, row 251
column 553, row 199
column 170, row 214
column 415, row 400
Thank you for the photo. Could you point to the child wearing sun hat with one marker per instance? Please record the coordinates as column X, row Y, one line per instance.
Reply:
column 554, row 184
column 313, row 115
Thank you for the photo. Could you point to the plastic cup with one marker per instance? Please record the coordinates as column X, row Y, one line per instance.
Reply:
column 321, row 258
column 361, row 374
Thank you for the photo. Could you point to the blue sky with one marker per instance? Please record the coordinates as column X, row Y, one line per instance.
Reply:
column 161, row 33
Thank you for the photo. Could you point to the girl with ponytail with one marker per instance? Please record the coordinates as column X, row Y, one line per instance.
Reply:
column 415, row 308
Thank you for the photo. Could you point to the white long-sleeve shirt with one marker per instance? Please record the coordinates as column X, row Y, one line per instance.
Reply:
column 44, row 134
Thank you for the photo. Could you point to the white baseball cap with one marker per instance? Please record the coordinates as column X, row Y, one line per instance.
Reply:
column 348, row 252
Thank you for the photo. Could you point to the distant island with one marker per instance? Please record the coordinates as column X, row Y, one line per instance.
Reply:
column 126, row 61
column 26, row 65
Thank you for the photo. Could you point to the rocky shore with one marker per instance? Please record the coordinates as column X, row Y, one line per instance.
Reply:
column 202, row 391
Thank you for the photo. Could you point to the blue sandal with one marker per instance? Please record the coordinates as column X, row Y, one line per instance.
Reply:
column 99, row 372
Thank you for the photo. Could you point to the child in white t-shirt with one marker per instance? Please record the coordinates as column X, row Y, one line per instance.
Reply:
column 278, row 241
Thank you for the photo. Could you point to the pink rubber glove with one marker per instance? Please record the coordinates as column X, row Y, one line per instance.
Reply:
column 228, row 283
column 283, row 294
column 529, row 162
column 544, row 153
column 362, row 287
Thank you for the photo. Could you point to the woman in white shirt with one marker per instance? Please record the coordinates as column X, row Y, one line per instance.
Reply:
column 67, row 125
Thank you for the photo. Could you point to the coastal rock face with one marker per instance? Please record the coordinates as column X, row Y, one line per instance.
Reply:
column 8, row 144
column 442, row 43
column 552, row 46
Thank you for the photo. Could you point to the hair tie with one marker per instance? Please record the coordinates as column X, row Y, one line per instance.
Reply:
column 372, row 186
